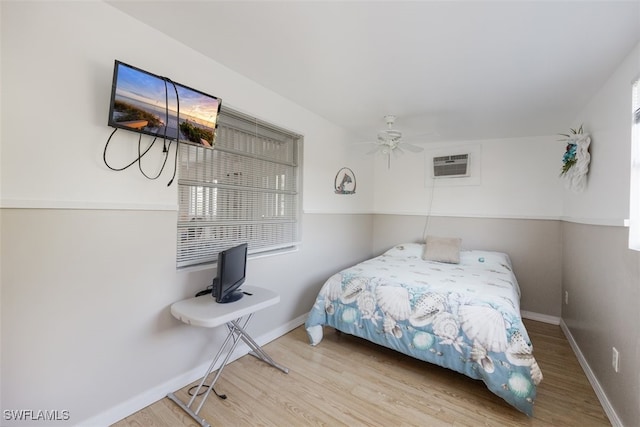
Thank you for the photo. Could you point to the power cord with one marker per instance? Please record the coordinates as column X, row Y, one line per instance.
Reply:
column 203, row 391
column 206, row 291
column 175, row 161
column 428, row 219
column 104, row 153
column 165, row 150
column 166, row 156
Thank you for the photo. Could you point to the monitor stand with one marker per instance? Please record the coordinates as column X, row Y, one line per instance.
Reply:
column 232, row 297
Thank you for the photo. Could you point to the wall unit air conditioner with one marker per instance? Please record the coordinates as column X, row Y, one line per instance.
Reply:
column 452, row 166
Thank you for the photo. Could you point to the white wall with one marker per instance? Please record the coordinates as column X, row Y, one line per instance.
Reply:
column 600, row 273
column 88, row 254
column 518, row 178
column 607, row 117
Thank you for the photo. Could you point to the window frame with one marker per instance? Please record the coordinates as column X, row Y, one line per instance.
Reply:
column 634, row 187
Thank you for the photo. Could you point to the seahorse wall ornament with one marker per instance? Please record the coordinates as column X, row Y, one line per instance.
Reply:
column 575, row 161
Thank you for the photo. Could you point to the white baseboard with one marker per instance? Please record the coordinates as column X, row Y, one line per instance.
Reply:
column 544, row 318
column 602, row 397
column 145, row 399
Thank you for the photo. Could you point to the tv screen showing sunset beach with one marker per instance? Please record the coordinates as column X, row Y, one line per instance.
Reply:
column 147, row 103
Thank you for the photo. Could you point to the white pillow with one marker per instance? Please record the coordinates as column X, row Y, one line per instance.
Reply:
column 442, row 249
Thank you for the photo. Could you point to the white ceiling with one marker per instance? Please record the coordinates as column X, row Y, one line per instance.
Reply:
column 464, row 69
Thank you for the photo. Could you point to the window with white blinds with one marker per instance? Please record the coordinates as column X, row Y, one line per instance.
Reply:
column 246, row 190
column 634, row 199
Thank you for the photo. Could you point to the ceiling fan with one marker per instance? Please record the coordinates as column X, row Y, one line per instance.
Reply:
column 390, row 141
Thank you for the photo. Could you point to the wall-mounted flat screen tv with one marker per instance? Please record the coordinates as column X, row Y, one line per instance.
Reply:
column 146, row 103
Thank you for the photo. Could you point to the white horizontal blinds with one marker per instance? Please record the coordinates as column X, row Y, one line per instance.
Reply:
column 246, row 190
column 634, row 199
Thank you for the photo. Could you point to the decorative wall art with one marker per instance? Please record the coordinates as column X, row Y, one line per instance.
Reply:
column 345, row 182
column 576, row 158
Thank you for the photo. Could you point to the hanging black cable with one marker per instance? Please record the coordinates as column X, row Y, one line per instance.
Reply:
column 165, row 150
column 166, row 156
column 166, row 115
column 175, row 161
column 104, row 153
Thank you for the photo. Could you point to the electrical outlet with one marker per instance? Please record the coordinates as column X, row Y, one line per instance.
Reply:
column 615, row 359
column 566, row 297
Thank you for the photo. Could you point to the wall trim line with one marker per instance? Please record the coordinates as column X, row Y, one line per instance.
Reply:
column 92, row 205
column 611, row 222
column 482, row 216
column 83, row 205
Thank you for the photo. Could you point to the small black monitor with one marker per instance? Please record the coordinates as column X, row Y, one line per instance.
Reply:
column 231, row 274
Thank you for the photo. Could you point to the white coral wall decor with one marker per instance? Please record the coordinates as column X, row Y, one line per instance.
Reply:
column 576, row 161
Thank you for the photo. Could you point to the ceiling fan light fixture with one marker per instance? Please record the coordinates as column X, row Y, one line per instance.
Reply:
column 390, row 119
column 389, row 134
column 390, row 141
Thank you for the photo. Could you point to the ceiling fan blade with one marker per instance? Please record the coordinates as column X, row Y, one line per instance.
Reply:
column 422, row 138
column 366, row 147
column 375, row 149
column 411, row 147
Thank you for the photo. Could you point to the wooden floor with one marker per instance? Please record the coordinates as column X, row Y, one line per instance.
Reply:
column 348, row 381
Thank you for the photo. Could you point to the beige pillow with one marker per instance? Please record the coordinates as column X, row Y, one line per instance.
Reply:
column 442, row 249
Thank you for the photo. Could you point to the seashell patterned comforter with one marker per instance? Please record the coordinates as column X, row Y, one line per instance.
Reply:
column 465, row 317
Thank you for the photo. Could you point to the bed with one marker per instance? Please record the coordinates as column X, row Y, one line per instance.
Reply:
column 463, row 316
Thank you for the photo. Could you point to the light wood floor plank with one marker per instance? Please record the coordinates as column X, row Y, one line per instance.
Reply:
column 349, row 381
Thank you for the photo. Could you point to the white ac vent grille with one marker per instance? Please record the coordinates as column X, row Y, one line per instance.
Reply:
column 451, row 166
